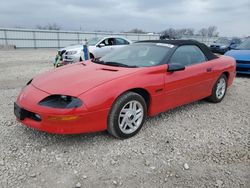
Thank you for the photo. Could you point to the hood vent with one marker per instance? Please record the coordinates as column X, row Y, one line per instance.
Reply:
column 107, row 69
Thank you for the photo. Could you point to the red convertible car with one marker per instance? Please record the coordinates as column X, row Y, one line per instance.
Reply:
column 118, row 91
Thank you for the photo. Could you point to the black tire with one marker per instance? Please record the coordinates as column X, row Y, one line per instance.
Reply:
column 113, row 118
column 214, row 98
column 91, row 56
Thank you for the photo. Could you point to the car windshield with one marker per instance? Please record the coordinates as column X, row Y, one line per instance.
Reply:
column 93, row 41
column 223, row 41
column 244, row 45
column 137, row 55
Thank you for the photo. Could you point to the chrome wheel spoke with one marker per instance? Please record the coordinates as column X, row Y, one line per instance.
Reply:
column 124, row 111
column 130, row 125
column 123, row 123
column 125, row 127
column 138, row 116
column 132, row 105
column 138, row 111
column 122, row 115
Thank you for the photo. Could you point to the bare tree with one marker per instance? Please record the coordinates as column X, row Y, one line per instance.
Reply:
column 189, row 32
column 170, row 33
column 49, row 26
column 178, row 33
column 212, row 31
column 203, row 32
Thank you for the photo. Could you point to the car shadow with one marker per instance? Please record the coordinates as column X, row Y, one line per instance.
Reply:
column 178, row 110
column 242, row 75
column 41, row 137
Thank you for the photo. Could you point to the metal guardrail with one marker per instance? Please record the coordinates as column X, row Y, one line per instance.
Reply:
column 33, row 38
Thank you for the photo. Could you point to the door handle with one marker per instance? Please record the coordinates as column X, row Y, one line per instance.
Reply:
column 209, row 69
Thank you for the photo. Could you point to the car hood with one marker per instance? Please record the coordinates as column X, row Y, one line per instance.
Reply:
column 243, row 55
column 74, row 47
column 78, row 78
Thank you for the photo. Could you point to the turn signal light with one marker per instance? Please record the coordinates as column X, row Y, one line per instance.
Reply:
column 63, row 118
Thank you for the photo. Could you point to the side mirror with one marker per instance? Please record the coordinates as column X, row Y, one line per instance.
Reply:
column 175, row 67
column 101, row 45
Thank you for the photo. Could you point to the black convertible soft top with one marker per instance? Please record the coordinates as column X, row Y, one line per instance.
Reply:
column 207, row 52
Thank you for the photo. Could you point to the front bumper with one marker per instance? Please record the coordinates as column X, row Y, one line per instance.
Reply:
column 85, row 123
column 243, row 68
column 64, row 59
column 71, row 58
column 57, row 121
column 218, row 50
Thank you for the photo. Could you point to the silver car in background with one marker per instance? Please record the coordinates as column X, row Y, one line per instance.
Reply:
column 98, row 47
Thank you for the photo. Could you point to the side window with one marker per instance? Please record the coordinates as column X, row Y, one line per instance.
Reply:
column 188, row 55
column 236, row 41
column 109, row 42
column 120, row 41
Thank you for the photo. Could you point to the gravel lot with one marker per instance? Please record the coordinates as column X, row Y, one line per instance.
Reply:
column 197, row 145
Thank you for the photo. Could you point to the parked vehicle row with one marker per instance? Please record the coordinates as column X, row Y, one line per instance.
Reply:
column 98, row 47
column 223, row 44
column 242, row 56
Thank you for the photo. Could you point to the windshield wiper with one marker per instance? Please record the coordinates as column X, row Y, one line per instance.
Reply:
column 97, row 60
column 112, row 63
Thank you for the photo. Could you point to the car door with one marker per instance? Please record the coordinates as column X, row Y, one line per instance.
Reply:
column 191, row 84
column 104, row 47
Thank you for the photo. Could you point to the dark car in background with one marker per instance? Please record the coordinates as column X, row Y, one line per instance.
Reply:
column 242, row 56
column 223, row 44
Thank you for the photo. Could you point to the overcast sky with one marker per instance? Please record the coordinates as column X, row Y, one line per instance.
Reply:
column 231, row 17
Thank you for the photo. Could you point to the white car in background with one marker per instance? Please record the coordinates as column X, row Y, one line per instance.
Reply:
column 98, row 47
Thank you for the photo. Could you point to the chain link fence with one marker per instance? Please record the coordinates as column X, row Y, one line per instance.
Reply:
column 33, row 38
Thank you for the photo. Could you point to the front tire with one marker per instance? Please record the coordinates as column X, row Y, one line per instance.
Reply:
column 91, row 56
column 219, row 90
column 127, row 115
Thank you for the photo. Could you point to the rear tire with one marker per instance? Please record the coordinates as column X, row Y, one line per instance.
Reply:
column 219, row 90
column 127, row 115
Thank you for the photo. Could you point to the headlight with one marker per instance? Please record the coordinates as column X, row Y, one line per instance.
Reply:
column 61, row 101
column 71, row 52
column 223, row 47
